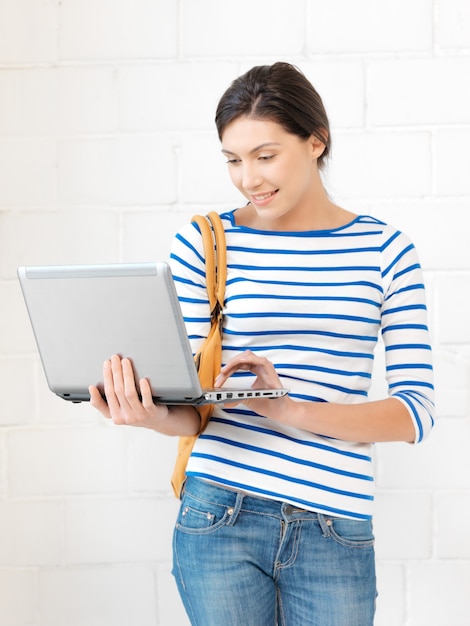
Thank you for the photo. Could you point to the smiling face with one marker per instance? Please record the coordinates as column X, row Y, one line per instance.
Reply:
column 275, row 170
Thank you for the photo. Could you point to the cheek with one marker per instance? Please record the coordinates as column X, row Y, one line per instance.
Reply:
column 235, row 176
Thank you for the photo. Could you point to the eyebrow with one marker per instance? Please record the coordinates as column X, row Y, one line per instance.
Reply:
column 257, row 148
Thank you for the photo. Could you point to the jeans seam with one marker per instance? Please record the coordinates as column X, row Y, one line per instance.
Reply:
column 279, row 608
column 296, row 529
column 177, row 572
column 354, row 545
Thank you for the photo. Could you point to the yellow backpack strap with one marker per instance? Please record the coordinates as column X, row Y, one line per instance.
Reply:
column 207, row 361
column 220, row 255
column 210, row 258
column 215, row 253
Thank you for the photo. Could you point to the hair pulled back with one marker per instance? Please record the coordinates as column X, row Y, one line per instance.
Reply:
column 280, row 93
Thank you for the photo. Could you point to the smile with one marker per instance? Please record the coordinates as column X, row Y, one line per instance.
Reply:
column 264, row 196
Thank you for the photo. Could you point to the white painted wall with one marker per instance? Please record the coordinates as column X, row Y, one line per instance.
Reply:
column 107, row 145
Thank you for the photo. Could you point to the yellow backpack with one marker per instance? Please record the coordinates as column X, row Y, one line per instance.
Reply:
column 209, row 357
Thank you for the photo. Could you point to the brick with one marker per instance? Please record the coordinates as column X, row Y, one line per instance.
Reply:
column 3, row 467
column 421, row 218
column 453, row 522
column 18, row 596
column 70, row 100
column 402, row 536
column 451, row 300
column 16, row 336
column 438, row 593
column 20, row 88
column 28, row 159
column 55, row 411
column 46, row 462
column 167, row 96
column 374, row 165
column 119, row 29
column 57, row 238
column 170, row 606
column 244, row 29
column 31, row 533
column 453, row 24
column 16, row 375
column 418, row 91
column 391, row 599
column 119, row 595
column 341, row 86
column 39, row 405
column 452, row 162
column 151, row 457
column 204, row 176
column 87, row 101
column 439, row 463
column 451, row 376
column 368, row 26
column 118, row 530
column 143, row 170
column 147, row 236
column 127, row 170
column 86, row 173
column 28, row 31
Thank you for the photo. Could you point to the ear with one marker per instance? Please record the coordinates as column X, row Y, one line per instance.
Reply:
column 317, row 145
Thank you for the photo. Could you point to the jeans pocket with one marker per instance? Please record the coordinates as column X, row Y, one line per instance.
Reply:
column 199, row 517
column 351, row 533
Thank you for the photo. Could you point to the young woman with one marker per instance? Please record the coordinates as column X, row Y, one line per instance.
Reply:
column 275, row 525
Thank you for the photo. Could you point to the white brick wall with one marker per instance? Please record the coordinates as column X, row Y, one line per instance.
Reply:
column 107, row 146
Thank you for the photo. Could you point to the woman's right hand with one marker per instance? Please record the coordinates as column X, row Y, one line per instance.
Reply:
column 123, row 405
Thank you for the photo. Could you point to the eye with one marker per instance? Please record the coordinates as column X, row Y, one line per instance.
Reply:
column 232, row 161
column 266, row 157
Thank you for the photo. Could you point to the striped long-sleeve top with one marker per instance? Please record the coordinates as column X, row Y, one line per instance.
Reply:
column 313, row 303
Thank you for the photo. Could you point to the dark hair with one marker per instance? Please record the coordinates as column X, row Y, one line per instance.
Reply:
column 280, row 93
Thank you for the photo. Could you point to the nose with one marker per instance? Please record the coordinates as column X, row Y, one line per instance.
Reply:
column 251, row 179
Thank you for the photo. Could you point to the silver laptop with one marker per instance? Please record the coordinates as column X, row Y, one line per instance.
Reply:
column 83, row 314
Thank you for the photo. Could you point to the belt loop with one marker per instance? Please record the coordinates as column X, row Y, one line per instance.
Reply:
column 324, row 524
column 234, row 510
column 183, row 487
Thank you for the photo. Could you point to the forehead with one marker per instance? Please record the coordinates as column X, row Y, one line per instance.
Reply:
column 245, row 133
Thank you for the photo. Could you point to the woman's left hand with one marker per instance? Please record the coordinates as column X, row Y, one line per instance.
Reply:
column 266, row 378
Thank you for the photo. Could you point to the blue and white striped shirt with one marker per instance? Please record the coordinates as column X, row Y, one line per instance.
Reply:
column 313, row 303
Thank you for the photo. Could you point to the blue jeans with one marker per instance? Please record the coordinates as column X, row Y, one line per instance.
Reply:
column 240, row 560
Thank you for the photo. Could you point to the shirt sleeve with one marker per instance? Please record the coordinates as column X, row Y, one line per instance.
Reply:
column 188, row 269
column 408, row 355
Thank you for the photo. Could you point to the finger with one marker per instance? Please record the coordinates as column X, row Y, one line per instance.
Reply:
column 242, row 361
column 247, row 361
column 109, row 388
column 117, row 376
column 146, row 394
column 129, row 385
column 98, row 402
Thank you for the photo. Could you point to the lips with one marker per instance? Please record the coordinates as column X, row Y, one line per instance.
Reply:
column 263, row 197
